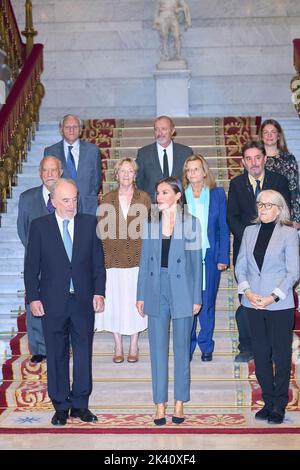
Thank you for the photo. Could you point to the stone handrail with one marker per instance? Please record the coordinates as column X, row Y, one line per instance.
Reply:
column 10, row 38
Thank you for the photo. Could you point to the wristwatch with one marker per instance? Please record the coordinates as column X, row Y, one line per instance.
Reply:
column 275, row 297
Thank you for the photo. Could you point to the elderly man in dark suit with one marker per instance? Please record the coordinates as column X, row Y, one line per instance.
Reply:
column 161, row 159
column 241, row 211
column 33, row 203
column 80, row 161
column 65, row 284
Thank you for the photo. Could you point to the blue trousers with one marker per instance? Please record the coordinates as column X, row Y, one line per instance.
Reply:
column 158, row 332
column 206, row 317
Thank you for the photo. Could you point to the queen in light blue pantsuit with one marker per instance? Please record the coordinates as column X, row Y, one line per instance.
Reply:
column 168, row 288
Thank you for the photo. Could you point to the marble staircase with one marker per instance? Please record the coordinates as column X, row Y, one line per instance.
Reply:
column 11, row 249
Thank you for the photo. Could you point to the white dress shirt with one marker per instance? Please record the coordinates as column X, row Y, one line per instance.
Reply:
column 169, row 150
column 75, row 151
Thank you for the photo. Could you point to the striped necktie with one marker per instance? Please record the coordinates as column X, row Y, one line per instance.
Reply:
column 257, row 189
column 71, row 163
column 50, row 207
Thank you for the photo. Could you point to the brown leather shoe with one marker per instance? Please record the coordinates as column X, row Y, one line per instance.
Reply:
column 133, row 357
column 118, row 359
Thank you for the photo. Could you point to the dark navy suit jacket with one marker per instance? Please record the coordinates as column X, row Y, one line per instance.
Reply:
column 48, row 270
column 149, row 169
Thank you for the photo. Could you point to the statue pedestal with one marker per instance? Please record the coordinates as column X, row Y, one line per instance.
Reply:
column 172, row 91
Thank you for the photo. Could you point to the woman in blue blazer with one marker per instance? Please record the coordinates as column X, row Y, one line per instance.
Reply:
column 267, row 268
column 208, row 203
column 169, row 287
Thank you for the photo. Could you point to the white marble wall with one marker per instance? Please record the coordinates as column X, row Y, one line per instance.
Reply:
column 100, row 56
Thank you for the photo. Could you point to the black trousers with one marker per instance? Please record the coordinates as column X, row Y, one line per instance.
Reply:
column 271, row 334
column 75, row 326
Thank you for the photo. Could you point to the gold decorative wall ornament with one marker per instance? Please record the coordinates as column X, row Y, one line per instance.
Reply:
column 295, row 88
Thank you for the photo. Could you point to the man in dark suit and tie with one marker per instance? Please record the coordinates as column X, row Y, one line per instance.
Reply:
column 33, row 203
column 65, row 284
column 161, row 159
column 241, row 211
column 80, row 161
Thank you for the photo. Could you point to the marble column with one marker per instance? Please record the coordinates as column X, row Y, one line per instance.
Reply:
column 172, row 92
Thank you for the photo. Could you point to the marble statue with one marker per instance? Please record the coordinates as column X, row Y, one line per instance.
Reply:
column 169, row 14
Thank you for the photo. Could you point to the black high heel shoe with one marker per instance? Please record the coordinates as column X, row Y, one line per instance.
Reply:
column 161, row 421
column 178, row 419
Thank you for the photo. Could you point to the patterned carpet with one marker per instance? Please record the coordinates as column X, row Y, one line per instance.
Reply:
column 224, row 395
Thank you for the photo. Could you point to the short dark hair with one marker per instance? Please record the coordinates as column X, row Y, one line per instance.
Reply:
column 253, row 144
column 175, row 184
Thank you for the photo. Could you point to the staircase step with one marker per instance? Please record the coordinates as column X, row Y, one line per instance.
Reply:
column 12, row 265
column 9, row 234
column 10, row 302
column 11, row 249
column 11, row 283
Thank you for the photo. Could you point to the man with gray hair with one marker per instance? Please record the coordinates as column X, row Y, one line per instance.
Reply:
column 65, row 283
column 162, row 158
column 34, row 203
column 80, row 161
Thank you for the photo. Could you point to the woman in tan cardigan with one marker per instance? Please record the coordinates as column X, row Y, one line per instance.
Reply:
column 122, row 213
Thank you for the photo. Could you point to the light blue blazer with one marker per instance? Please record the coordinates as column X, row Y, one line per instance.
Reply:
column 280, row 269
column 184, row 267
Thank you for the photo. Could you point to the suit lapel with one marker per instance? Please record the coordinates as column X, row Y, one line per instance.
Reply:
column 249, row 190
column 271, row 248
column 252, row 245
column 210, row 211
column 176, row 169
column 176, row 242
column 155, row 162
column 267, row 183
column 80, row 168
column 156, row 236
column 57, row 238
column 76, row 237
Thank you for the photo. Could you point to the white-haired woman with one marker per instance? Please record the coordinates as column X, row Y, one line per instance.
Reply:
column 121, row 217
column 267, row 268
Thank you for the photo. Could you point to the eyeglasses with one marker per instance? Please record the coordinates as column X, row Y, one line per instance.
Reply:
column 71, row 128
column 267, row 205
